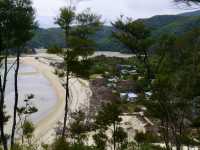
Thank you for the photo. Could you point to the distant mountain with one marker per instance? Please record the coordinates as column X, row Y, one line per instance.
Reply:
column 194, row 13
column 46, row 37
column 161, row 24
column 161, row 20
column 179, row 26
column 173, row 24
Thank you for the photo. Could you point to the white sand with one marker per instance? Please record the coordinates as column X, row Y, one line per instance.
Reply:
column 80, row 94
column 112, row 54
column 80, row 98
column 42, row 53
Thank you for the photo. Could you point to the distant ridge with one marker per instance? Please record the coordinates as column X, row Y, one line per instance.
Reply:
column 160, row 24
column 193, row 13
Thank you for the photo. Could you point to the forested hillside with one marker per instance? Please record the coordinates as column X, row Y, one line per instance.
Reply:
column 173, row 24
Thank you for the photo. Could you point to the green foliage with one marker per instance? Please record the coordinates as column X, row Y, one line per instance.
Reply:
column 60, row 144
column 147, row 137
column 23, row 18
column 175, row 99
column 6, row 25
column 78, row 127
column 187, row 140
column 45, row 146
column 66, row 17
column 104, row 42
column 136, row 37
column 150, row 147
column 179, row 26
column 54, row 49
column 196, row 122
column 108, row 115
column 159, row 25
column 133, row 34
column 80, row 147
column 121, row 138
column 18, row 147
column 25, row 147
column 28, row 109
column 100, row 140
column 28, row 129
column 45, row 38
column 5, row 116
column 102, row 64
column 79, row 40
column 143, row 83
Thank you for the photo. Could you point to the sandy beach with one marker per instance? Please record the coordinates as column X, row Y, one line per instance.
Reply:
column 79, row 91
column 79, row 98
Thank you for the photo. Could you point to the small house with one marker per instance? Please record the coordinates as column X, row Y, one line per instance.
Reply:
column 127, row 69
column 132, row 96
column 113, row 80
column 129, row 96
column 148, row 95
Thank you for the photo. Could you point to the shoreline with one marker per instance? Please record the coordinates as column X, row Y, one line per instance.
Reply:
column 43, row 126
column 79, row 98
column 80, row 94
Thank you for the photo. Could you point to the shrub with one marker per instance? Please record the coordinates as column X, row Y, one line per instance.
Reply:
column 54, row 49
column 146, row 137
column 28, row 129
column 56, row 71
column 60, row 144
column 61, row 74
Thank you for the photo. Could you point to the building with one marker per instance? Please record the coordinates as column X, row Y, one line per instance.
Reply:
column 129, row 96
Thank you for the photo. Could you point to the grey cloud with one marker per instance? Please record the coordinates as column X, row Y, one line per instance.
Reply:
column 109, row 9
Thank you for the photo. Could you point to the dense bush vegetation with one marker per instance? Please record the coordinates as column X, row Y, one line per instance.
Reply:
column 102, row 64
column 54, row 49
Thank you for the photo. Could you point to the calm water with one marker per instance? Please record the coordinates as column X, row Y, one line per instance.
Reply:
column 31, row 82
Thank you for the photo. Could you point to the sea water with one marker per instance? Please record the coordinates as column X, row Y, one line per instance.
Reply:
column 30, row 82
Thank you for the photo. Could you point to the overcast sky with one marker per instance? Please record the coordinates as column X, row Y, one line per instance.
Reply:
column 47, row 10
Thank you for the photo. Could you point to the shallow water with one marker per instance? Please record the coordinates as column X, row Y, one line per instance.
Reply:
column 31, row 82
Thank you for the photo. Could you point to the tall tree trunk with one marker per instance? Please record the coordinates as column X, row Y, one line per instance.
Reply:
column 144, row 58
column 5, row 70
column 147, row 65
column 165, row 134
column 114, row 135
column 2, row 116
column 66, row 87
column 66, row 103
column 2, row 93
column 16, row 99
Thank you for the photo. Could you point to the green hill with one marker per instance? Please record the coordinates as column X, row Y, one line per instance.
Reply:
column 46, row 37
column 173, row 24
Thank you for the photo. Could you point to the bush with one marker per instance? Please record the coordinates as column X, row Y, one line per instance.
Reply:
column 61, row 74
column 98, row 69
column 56, row 71
column 54, row 49
column 60, row 144
column 28, row 129
column 146, row 137
column 80, row 147
column 25, row 147
column 150, row 147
